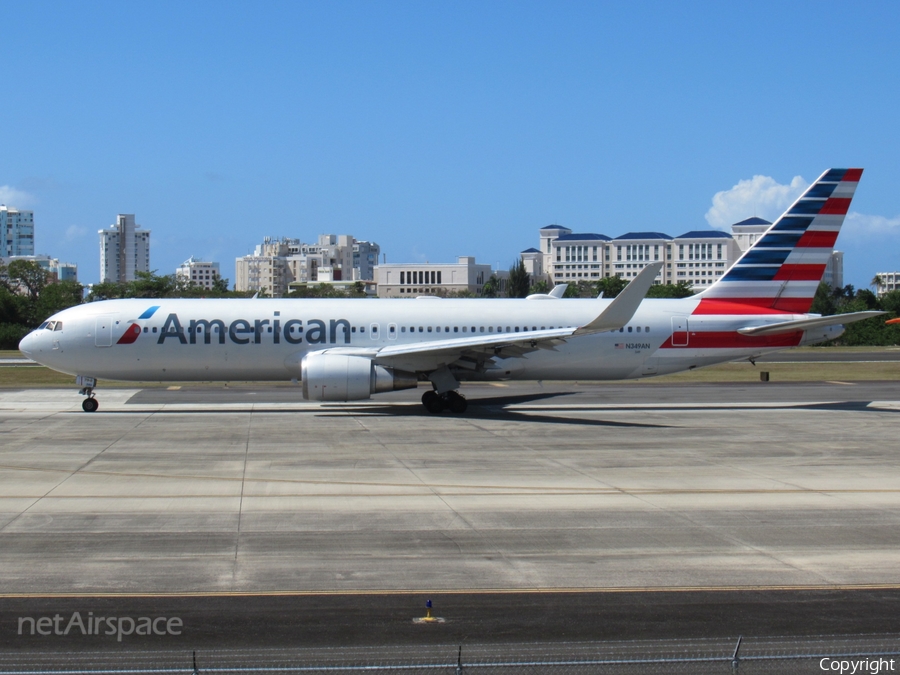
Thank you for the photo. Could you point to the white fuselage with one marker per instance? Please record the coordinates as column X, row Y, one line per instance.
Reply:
column 265, row 339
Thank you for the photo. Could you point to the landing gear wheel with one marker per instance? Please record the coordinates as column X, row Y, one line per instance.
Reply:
column 432, row 402
column 90, row 405
column 456, row 402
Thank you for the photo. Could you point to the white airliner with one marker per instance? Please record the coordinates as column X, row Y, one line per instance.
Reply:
column 345, row 350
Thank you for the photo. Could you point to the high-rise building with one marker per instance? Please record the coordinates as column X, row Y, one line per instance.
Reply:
column 198, row 272
column 17, row 229
column 124, row 250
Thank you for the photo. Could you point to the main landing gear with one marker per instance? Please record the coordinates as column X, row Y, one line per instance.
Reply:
column 436, row 403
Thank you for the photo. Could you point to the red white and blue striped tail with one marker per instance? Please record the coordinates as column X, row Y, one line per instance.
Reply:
column 782, row 270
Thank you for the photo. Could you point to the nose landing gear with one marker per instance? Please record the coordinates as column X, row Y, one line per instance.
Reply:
column 87, row 384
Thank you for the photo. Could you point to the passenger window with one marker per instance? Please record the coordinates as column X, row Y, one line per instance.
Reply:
column 146, row 330
column 421, row 330
column 464, row 329
column 429, row 329
column 638, row 329
column 438, row 329
column 646, row 329
column 490, row 329
column 481, row 330
column 154, row 329
column 352, row 330
column 629, row 329
column 446, row 329
column 362, row 329
column 455, row 329
column 402, row 329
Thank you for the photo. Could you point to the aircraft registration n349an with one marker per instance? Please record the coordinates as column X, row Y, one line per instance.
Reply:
column 345, row 350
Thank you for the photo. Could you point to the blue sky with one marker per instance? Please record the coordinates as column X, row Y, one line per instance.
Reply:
column 441, row 129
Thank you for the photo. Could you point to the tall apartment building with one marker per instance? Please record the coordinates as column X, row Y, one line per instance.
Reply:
column 198, row 272
column 17, row 229
column 124, row 250
column 276, row 263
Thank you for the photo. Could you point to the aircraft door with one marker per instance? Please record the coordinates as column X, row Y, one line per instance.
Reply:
column 679, row 331
column 103, row 334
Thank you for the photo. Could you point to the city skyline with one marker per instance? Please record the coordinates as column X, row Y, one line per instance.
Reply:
column 441, row 131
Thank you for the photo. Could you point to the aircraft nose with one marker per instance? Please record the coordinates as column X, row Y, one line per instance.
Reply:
column 26, row 344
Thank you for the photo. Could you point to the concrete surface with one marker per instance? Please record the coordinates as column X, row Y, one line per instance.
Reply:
column 537, row 487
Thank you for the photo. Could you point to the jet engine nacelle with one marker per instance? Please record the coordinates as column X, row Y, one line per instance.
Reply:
column 344, row 377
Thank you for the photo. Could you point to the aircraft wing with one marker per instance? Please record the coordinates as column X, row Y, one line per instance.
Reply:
column 435, row 353
column 804, row 324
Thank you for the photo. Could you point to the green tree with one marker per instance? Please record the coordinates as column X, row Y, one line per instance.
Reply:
column 107, row 290
column 29, row 275
column 152, row 285
column 491, row 288
column 57, row 297
column 824, row 302
column 682, row 289
column 610, row 286
column 519, row 280
column 581, row 289
column 540, row 286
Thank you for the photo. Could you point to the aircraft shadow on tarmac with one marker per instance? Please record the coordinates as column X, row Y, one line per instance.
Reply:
column 490, row 408
column 495, row 408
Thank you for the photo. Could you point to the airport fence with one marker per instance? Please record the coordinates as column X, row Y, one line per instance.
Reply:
column 855, row 655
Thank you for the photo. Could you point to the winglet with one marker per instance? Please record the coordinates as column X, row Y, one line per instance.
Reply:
column 625, row 304
column 559, row 290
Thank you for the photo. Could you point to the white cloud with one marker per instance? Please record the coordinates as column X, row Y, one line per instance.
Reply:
column 760, row 196
column 15, row 198
column 75, row 232
column 860, row 226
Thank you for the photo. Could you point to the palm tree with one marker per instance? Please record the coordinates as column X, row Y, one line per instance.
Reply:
column 877, row 282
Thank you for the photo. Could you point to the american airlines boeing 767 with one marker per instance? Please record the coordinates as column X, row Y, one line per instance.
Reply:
column 345, row 350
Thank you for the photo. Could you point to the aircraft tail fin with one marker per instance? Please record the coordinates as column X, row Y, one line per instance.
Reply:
column 783, row 268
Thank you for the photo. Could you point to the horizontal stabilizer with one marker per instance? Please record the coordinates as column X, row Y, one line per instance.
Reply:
column 625, row 304
column 805, row 324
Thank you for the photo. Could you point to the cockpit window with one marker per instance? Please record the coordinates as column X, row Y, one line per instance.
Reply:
column 43, row 325
column 58, row 326
column 51, row 325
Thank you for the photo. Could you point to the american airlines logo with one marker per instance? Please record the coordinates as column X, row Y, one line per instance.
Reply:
column 242, row 331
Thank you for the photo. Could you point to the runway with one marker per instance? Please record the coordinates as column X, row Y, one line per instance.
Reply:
column 560, row 490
